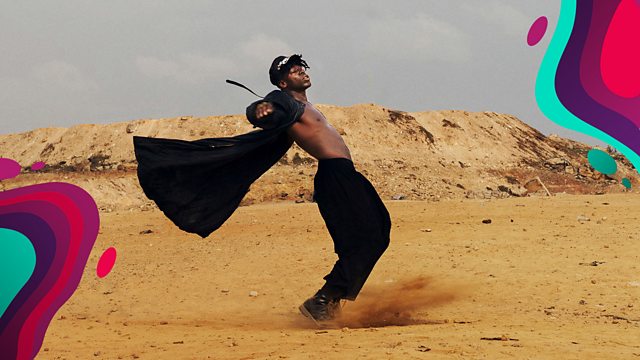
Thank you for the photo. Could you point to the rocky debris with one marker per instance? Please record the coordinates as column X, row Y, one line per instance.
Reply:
column 398, row 197
column 513, row 190
column 557, row 164
column 452, row 124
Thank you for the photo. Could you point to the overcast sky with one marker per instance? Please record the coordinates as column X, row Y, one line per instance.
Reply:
column 71, row 62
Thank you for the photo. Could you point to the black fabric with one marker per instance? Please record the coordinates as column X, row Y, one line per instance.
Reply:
column 199, row 184
column 357, row 220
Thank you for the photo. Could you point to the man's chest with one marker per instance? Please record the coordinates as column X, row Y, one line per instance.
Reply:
column 312, row 116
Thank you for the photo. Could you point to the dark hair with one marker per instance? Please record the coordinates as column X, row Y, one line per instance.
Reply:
column 282, row 64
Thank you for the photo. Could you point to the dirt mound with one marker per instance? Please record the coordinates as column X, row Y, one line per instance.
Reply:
column 417, row 156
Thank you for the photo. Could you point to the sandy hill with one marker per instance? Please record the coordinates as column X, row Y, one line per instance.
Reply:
column 416, row 156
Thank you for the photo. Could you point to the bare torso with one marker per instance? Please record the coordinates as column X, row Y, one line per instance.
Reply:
column 316, row 136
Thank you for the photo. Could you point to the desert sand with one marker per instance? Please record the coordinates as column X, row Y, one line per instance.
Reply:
column 535, row 283
column 550, row 277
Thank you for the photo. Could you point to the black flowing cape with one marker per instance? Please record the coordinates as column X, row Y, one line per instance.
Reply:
column 199, row 184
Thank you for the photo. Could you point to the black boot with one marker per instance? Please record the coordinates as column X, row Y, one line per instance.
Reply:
column 320, row 307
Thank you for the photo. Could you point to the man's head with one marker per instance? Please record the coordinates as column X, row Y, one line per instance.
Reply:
column 289, row 73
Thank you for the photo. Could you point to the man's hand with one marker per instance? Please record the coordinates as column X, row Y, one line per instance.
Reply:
column 263, row 109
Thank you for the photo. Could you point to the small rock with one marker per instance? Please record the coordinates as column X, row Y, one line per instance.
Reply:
column 582, row 302
column 486, row 221
column 224, row 290
column 582, row 218
column 425, row 230
column 164, row 322
column 299, row 201
column 143, row 232
column 97, row 353
column 398, row 197
column 178, row 342
column 253, row 293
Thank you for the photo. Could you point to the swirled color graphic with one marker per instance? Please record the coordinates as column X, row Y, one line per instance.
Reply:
column 589, row 79
column 60, row 221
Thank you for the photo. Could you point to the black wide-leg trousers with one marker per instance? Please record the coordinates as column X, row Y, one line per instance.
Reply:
column 357, row 220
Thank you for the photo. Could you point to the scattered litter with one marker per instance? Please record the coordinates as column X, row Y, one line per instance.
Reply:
column 593, row 263
column 582, row 218
column 501, row 338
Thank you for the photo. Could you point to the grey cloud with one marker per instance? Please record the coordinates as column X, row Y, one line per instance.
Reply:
column 62, row 76
column 421, row 37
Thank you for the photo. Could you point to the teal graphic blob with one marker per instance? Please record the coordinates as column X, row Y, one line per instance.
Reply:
column 17, row 262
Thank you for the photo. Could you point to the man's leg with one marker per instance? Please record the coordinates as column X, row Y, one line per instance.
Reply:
column 358, row 222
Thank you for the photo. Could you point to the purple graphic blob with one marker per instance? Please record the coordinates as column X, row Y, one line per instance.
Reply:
column 590, row 74
column 38, row 166
column 572, row 94
column 8, row 168
column 537, row 31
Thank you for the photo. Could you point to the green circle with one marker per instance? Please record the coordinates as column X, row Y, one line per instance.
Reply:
column 602, row 161
column 627, row 183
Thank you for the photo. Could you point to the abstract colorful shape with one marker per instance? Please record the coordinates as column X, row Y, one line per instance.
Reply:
column 602, row 161
column 620, row 61
column 537, row 30
column 61, row 221
column 38, row 166
column 106, row 262
column 8, row 168
column 17, row 261
column 570, row 89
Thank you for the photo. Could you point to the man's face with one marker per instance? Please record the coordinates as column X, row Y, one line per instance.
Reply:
column 297, row 79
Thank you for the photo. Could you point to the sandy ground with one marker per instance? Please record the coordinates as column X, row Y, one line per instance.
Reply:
column 526, row 279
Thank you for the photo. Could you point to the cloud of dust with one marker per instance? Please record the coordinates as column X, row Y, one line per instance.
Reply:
column 397, row 304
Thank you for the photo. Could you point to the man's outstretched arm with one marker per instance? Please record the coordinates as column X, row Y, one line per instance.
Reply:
column 265, row 114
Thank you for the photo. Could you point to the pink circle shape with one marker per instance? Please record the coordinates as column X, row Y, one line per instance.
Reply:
column 38, row 166
column 620, row 51
column 106, row 262
column 537, row 30
column 9, row 168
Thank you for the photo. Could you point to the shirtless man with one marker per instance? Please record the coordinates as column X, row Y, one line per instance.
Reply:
column 356, row 218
